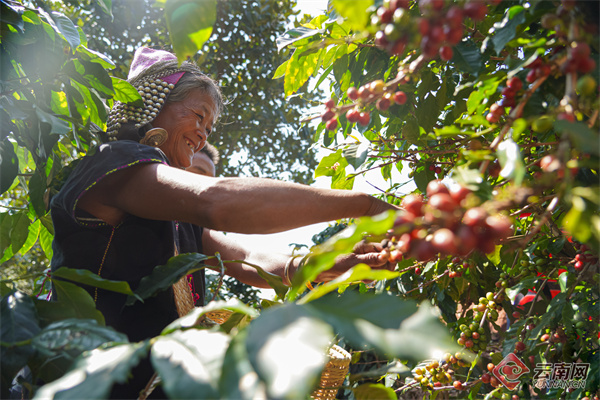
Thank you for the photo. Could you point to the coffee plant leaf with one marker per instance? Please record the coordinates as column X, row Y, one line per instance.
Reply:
column 286, row 335
column 93, row 375
column 506, row 30
column 64, row 27
column 18, row 326
column 106, row 6
column 467, row 57
column 190, row 25
column 366, row 320
column 9, row 165
column 164, row 276
column 584, row 138
column 19, row 231
column 81, row 303
column 238, row 379
column 190, row 362
column 294, row 35
column 354, row 12
column 189, row 321
column 373, row 391
column 86, row 277
column 360, row 272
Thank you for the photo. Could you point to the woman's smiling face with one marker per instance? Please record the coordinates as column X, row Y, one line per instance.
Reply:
column 188, row 124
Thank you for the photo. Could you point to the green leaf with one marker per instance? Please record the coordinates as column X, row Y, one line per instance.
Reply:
column 467, row 57
column 280, row 71
column 164, row 276
column 524, row 284
column 583, row 137
column 189, row 321
column 563, row 281
column 85, row 277
column 299, row 68
column 511, row 161
column 67, row 30
column 95, row 56
column 384, row 322
column 106, row 6
column 37, row 188
column 18, row 324
column 506, row 29
column 190, row 24
column 9, row 165
column 19, row 231
column 411, row 131
column 294, row 35
column 46, row 238
column 374, row 391
column 360, row 272
column 427, row 112
column 79, row 301
column 57, row 125
column 189, row 363
column 576, row 221
column 94, row 374
column 423, row 177
column 329, row 165
column 355, row 12
column 356, row 153
column 32, row 236
column 60, row 343
column 239, row 381
column 284, row 335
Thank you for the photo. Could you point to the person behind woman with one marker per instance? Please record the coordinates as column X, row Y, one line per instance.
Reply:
column 132, row 205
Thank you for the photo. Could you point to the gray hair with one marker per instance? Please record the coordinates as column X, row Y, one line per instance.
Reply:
column 193, row 81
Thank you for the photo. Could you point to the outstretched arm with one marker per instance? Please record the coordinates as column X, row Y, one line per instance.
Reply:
column 242, row 205
column 230, row 249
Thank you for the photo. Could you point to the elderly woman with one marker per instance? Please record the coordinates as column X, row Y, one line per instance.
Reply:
column 132, row 205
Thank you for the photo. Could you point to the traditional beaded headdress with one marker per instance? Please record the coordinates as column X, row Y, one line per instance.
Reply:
column 154, row 73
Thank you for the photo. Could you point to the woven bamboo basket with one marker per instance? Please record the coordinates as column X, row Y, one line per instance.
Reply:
column 333, row 375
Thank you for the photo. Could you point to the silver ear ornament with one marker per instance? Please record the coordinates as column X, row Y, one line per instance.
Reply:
column 155, row 137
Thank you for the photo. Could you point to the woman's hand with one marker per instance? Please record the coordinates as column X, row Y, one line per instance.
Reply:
column 363, row 253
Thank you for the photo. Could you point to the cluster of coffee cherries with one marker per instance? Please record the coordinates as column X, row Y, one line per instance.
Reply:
column 433, row 375
column 509, row 95
column 443, row 226
column 457, row 266
column 377, row 91
column 473, row 337
column 584, row 256
column 438, row 29
column 488, row 306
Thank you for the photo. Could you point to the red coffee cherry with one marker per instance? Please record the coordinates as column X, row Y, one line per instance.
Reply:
column 444, row 241
column 475, row 217
column 353, row 115
column 364, row 118
column 327, row 115
column 446, row 53
column 442, row 202
column 400, row 97
column 515, row 83
column 330, row 103
column 352, row 93
column 413, row 203
column 331, row 125
column 436, row 186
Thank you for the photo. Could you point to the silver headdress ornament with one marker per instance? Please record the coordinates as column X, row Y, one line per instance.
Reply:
column 154, row 73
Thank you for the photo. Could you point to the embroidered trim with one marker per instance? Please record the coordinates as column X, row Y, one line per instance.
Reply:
column 104, row 258
column 80, row 220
